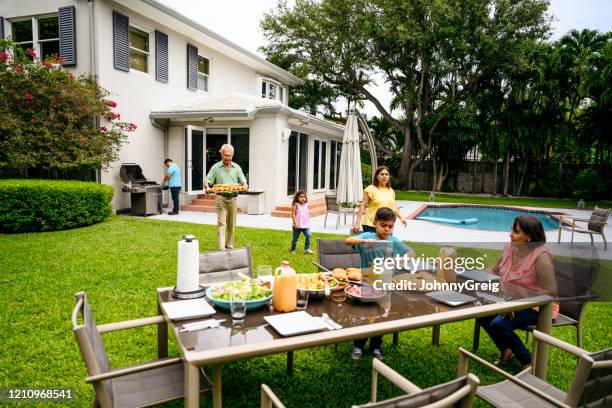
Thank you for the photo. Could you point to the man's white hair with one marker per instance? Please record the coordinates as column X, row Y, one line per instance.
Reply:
column 227, row 147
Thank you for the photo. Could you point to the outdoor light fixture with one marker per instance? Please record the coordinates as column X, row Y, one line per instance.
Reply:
column 208, row 120
column 285, row 134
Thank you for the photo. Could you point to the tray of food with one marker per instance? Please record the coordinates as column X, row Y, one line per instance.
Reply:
column 227, row 188
column 364, row 293
column 254, row 293
column 315, row 283
column 417, row 280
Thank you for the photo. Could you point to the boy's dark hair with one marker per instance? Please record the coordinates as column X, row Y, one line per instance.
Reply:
column 297, row 196
column 167, row 160
column 530, row 226
column 385, row 214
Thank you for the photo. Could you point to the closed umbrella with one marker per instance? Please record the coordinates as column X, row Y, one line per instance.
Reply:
column 350, row 184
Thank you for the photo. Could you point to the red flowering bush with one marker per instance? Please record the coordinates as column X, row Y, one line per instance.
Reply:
column 49, row 119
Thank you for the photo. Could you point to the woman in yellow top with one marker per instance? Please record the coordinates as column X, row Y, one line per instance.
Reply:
column 376, row 195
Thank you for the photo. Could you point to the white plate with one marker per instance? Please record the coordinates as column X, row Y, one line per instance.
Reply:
column 450, row 297
column 479, row 276
column 291, row 324
column 188, row 309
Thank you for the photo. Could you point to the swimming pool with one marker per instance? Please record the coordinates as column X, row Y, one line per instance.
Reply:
column 482, row 217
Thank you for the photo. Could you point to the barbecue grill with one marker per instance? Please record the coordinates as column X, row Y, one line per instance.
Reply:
column 145, row 195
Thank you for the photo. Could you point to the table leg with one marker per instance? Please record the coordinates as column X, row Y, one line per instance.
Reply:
column 162, row 336
column 216, row 386
column 541, row 354
column 435, row 335
column 192, row 386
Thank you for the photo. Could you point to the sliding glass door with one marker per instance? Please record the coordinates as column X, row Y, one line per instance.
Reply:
column 297, row 168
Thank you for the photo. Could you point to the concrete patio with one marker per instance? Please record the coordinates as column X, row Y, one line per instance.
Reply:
column 415, row 231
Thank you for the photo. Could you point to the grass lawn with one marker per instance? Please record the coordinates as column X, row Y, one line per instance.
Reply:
column 519, row 201
column 121, row 261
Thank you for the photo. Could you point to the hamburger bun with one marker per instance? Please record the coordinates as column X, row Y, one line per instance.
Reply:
column 340, row 274
column 354, row 274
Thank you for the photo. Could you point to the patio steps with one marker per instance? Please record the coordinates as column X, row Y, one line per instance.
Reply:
column 316, row 207
column 204, row 203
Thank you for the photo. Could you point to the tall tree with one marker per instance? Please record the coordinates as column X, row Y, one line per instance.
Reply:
column 431, row 54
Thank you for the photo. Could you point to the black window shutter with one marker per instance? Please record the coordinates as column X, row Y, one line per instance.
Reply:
column 121, row 41
column 161, row 56
column 67, row 34
column 192, row 67
column 1, row 27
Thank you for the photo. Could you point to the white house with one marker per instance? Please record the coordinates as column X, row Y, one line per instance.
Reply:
column 189, row 90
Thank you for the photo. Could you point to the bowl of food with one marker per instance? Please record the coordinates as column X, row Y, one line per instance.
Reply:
column 419, row 281
column 254, row 293
column 364, row 293
column 315, row 283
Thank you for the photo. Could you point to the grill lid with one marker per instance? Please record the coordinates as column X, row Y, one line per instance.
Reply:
column 131, row 172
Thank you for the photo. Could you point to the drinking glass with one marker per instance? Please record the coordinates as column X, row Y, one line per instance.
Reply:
column 237, row 308
column 264, row 271
column 302, row 299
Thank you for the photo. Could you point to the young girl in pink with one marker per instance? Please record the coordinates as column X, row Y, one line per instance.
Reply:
column 301, row 221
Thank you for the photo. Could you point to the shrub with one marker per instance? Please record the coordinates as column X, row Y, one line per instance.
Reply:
column 589, row 185
column 51, row 119
column 50, row 205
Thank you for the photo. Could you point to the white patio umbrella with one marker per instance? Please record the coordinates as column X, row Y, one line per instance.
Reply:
column 350, row 184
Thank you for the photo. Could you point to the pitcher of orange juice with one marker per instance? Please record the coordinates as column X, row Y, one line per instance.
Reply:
column 284, row 291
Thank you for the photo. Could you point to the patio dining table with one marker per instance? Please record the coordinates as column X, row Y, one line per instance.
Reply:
column 398, row 311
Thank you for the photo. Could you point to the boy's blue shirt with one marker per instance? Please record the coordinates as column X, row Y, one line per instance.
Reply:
column 369, row 252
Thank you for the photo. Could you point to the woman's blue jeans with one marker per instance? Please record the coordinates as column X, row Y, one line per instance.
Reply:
column 296, row 235
column 502, row 333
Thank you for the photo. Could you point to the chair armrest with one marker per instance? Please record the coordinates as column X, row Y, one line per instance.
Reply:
column 269, row 399
column 581, row 219
column 462, row 370
column 130, row 324
column 395, row 378
column 120, row 372
column 545, row 338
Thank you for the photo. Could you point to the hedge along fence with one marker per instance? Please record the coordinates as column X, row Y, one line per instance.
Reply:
column 50, row 205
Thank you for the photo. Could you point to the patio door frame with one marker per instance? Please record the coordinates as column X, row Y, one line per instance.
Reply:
column 189, row 158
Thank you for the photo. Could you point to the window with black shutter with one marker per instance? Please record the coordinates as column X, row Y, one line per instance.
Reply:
column 67, row 37
column 192, row 67
column 161, row 56
column 121, row 42
column 1, row 27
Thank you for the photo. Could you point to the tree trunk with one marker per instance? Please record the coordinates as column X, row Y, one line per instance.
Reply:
column 506, row 174
column 495, row 175
column 474, row 170
column 521, row 179
column 435, row 174
column 441, row 177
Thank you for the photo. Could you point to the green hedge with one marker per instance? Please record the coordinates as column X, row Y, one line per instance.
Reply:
column 50, row 205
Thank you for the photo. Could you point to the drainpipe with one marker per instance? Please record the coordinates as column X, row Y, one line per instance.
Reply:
column 93, row 69
column 93, row 61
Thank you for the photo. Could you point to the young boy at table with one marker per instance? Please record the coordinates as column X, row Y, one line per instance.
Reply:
column 366, row 243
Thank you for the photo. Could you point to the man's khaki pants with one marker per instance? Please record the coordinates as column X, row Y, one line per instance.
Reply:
column 225, row 207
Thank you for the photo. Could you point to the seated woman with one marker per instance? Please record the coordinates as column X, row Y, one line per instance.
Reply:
column 528, row 263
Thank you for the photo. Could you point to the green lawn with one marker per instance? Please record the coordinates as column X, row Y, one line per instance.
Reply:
column 120, row 262
column 519, row 201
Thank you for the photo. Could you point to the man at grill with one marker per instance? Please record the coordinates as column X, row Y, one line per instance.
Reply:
column 173, row 177
column 225, row 172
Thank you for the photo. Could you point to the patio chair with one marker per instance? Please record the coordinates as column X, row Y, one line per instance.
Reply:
column 334, row 253
column 574, row 284
column 456, row 393
column 590, row 387
column 595, row 225
column 332, row 206
column 223, row 265
column 139, row 385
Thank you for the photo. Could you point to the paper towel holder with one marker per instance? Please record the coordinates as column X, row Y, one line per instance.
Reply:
column 200, row 292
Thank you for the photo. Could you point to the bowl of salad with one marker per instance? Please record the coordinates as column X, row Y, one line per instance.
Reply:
column 253, row 292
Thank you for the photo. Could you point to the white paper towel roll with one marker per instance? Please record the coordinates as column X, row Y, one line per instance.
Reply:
column 187, row 277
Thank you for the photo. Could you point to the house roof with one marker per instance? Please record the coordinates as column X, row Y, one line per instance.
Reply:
column 168, row 16
column 235, row 105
